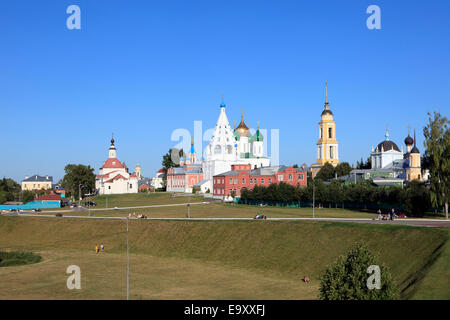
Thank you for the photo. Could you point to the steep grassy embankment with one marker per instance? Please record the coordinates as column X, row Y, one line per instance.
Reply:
column 288, row 249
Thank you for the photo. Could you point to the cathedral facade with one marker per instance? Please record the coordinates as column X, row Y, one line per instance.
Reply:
column 114, row 177
column 228, row 147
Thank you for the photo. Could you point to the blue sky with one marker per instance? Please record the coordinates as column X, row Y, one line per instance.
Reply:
column 141, row 69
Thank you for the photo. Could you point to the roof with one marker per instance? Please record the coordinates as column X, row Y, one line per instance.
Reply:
column 112, row 163
column 119, row 176
column 409, row 140
column 198, row 184
column 262, row 171
column 37, row 178
column 49, row 197
column 388, row 145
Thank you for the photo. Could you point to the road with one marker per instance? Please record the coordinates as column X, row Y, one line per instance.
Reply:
column 405, row 222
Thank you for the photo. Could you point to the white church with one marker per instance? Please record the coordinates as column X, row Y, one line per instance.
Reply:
column 114, row 178
column 227, row 147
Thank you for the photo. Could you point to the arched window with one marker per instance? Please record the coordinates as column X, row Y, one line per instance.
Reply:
column 330, row 133
column 218, row 150
column 229, row 149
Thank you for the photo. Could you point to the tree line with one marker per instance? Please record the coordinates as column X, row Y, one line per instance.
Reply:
column 414, row 199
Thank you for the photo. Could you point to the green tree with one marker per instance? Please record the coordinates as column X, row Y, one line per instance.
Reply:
column 416, row 199
column 27, row 196
column 347, row 278
column 170, row 160
column 437, row 159
column 9, row 189
column 77, row 174
column 343, row 169
column 327, row 172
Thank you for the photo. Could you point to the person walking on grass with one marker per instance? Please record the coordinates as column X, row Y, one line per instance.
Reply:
column 96, row 249
column 102, row 247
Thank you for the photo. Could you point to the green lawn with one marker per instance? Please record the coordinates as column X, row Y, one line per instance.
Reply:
column 211, row 260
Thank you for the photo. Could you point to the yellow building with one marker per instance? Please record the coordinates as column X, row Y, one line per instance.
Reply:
column 37, row 183
column 327, row 145
column 414, row 171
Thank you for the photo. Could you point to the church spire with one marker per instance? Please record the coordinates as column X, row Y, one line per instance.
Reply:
column 327, row 106
column 222, row 104
column 387, row 133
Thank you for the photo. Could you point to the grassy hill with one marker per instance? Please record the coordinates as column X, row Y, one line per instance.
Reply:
column 218, row 260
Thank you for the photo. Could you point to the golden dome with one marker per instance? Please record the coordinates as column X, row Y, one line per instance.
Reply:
column 242, row 130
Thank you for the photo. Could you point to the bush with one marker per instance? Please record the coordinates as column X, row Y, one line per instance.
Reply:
column 347, row 278
column 18, row 258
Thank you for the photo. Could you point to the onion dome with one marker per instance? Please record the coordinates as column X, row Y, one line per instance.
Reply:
column 326, row 110
column 242, row 130
column 112, row 142
column 409, row 141
column 258, row 136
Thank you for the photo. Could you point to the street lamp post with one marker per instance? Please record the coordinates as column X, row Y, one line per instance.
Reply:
column 128, row 268
column 79, row 193
column 314, row 204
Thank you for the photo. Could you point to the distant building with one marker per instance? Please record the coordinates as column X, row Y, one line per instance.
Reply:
column 187, row 175
column 37, row 182
column 327, row 145
column 390, row 166
column 157, row 180
column 242, row 176
column 114, row 177
column 145, row 184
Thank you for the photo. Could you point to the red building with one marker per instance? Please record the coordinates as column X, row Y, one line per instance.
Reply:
column 242, row 176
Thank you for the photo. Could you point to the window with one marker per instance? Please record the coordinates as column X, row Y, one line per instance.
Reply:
column 300, row 177
column 131, row 186
column 321, row 133
column 251, row 181
column 262, row 181
column 243, row 181
column 330, row 132
column 280, row 177
column 217, row 150
column 109, row 187
column 270, row 181
column 231, row 180
column 331, row 152
column 235, row 181
column 290, row 177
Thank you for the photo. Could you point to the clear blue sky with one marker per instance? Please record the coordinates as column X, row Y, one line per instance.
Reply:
column 141, row 69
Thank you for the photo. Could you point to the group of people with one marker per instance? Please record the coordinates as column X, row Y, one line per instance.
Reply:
column 101, row 248
column 260, row 216
column 389, row 216
column 139, row 216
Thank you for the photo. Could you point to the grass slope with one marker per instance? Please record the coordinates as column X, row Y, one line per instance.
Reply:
column 229, row 253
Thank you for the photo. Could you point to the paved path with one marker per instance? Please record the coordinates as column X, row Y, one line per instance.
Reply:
column 406, row 222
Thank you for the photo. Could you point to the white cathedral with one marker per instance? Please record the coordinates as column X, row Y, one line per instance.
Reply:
column 231, row 146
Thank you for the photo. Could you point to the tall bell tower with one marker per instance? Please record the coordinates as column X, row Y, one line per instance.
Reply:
column 327, row 145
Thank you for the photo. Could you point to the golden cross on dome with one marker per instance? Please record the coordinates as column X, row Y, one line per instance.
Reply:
column 242, row 114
